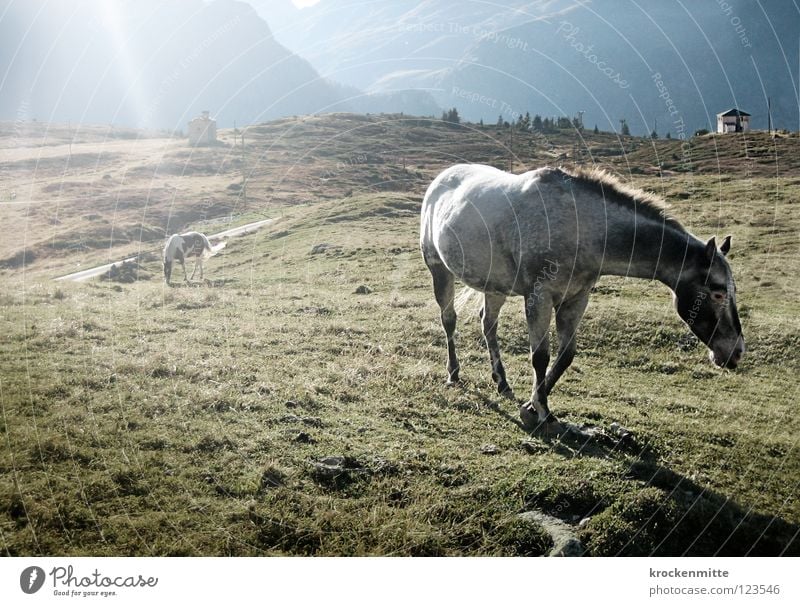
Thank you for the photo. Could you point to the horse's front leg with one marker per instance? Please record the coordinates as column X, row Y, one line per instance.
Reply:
column 568, row 316
column 538, row 309
column 194, row 271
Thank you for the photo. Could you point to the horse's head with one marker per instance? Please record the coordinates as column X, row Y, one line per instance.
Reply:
column 705, row 298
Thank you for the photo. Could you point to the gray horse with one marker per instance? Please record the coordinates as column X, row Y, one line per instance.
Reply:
column 548, row 235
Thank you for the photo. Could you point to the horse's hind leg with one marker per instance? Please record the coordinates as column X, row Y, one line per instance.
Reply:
column 444, row 291
column 568, row 316
column 491, row 310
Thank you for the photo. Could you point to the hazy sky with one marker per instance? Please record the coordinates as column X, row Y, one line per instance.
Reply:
column 304, row 3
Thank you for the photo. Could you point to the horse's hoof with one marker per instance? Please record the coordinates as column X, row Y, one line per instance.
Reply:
column 450, row 383
column 529, row 417
column 530, row 420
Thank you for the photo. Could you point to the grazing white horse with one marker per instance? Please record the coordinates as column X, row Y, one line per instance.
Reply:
column 548, row 235
column 190, row 244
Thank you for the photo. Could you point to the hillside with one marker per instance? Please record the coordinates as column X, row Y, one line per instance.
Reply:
column 94, row 194
column 279, row 408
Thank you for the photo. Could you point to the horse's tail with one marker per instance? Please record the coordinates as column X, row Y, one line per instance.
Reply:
column 467, row 300
column 210, row 250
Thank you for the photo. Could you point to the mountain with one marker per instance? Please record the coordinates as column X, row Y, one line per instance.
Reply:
column 158, row 63
column 671, row 66
column 369, row 44
column 676, row 64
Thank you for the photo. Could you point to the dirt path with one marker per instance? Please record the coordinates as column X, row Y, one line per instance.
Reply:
column 87, row 274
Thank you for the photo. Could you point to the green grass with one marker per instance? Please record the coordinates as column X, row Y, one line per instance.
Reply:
column 272, row 410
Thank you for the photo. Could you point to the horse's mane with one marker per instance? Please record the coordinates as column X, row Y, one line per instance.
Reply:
column 613, row 190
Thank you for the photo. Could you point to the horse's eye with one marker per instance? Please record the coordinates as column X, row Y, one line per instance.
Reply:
column 718, row 296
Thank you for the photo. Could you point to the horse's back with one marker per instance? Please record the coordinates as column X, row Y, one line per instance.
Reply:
column 484, row 224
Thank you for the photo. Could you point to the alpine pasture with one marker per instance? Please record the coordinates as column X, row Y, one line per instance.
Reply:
column 294, row 402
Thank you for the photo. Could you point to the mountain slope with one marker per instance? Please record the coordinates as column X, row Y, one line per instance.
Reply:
column 157, row 64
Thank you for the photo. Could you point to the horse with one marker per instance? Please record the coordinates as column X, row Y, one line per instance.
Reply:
column 190, row 244
column 548, row 235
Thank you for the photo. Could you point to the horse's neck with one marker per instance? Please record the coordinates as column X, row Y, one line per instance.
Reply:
column 651, row 250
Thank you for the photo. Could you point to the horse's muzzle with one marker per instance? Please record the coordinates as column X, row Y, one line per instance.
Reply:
column 728, row 359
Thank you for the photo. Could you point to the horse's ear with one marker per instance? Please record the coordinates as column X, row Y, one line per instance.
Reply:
column 726, row 245
column 711, row 248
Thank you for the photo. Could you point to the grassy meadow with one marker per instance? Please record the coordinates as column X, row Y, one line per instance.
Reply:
column 280, row 408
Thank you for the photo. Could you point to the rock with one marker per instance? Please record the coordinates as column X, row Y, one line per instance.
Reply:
column 336, row 472
column 571, row 548
column 272, row 478
column 329, row 468
column 310, row 421
column 565, row 543
column 363, row 290
column 584, row 522
column 325, row 247
column 304, row 438
column 320, row 248
column 533, row 446
column 490, row 449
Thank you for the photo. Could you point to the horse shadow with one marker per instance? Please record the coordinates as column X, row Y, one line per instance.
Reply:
column 206, row 283
column 684, row 518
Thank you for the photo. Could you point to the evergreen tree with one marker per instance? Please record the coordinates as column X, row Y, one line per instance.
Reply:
column 500, row 120
column 596, row 130
column 624, row 127
column 537, row 123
